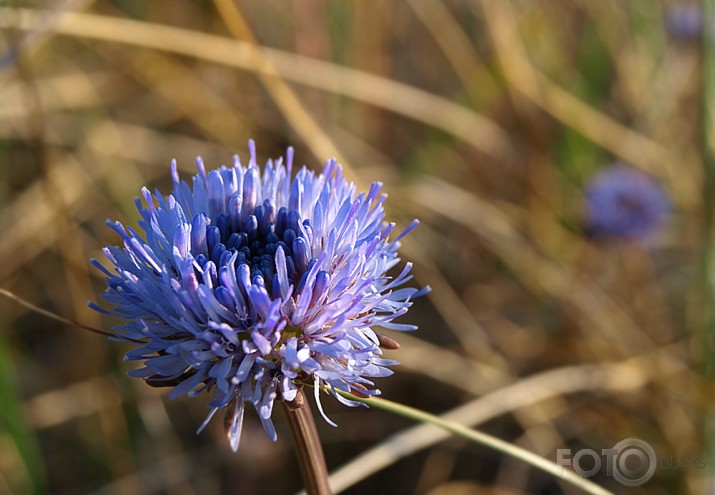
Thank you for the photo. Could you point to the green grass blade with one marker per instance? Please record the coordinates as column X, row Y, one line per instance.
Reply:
column 14, row 427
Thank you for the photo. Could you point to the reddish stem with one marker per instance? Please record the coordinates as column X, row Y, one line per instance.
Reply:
column 307, row 446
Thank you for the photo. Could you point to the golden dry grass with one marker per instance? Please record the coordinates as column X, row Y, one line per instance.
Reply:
column 485, row 119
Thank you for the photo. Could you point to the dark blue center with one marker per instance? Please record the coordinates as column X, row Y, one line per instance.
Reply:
column 256, row 240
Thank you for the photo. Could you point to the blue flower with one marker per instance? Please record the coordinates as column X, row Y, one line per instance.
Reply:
column 623, row 202
column 684, row 21
column 248, row 285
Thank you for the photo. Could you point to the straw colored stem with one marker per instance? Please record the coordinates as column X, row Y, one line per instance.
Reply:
column 400, row 98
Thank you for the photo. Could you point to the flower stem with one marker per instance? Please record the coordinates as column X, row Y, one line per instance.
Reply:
column 307, row 446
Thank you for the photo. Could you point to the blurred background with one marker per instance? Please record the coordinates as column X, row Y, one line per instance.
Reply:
column 570, row 306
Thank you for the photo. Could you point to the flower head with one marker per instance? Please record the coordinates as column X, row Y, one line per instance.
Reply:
column 625, row 203
column 247, row 285
column 684, row 21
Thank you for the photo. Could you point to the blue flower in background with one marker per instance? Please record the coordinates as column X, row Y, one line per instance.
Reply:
column 684, row 21
column 248, row 286
column 625, row 203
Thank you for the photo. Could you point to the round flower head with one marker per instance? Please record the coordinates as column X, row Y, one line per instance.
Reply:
column 247, row 285
column 625, row 203
column 684, row 21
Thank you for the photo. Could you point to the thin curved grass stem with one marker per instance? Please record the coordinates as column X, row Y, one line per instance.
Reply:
column 51, row 315
column 483, row 439
column 56, row 317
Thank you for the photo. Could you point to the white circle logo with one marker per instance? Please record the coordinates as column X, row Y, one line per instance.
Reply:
column 634, row 462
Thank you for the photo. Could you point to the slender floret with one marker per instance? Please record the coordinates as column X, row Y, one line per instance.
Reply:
column 248, row 285
column 623, row 202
